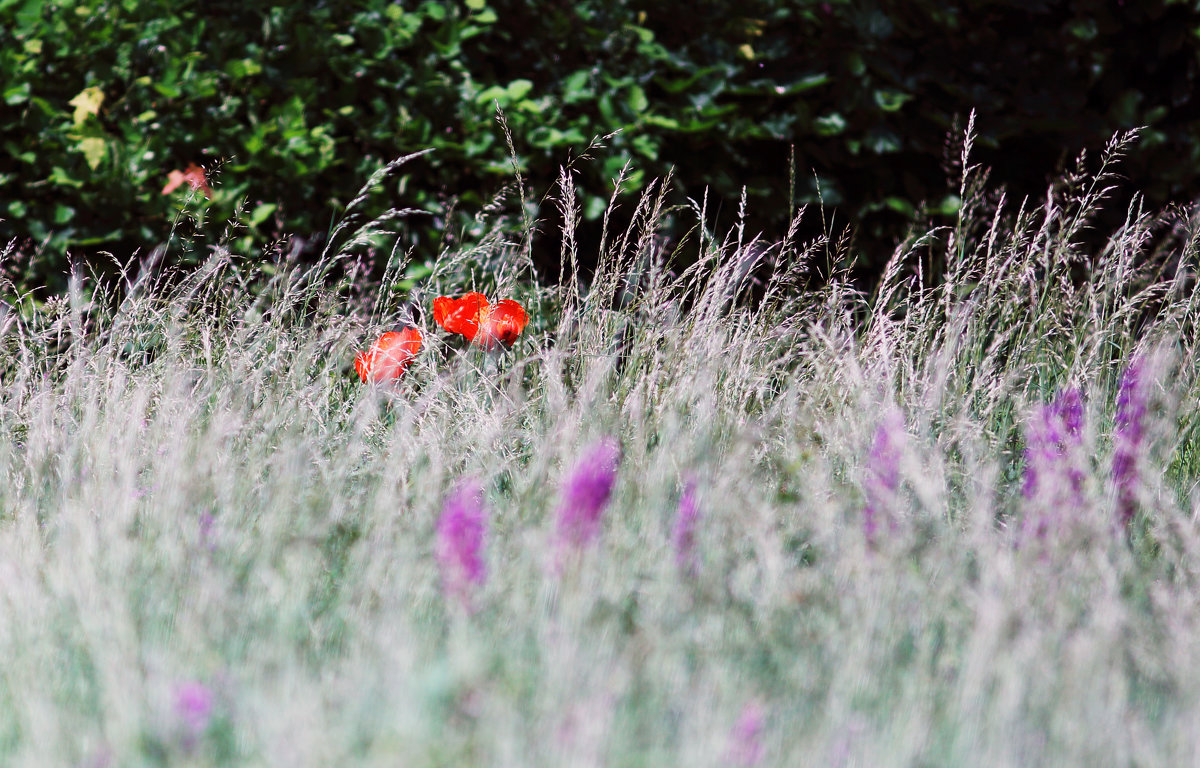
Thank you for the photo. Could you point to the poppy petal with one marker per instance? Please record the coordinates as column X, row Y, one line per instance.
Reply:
column 504, row 323
column 441, row 309
column 461, row 315
column 389, row 356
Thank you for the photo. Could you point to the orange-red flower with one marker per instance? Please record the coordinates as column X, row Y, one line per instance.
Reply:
column 482, row 323
column 193, row 176
column 388, row 356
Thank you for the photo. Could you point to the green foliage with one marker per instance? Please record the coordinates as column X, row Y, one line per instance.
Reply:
column 289, row 107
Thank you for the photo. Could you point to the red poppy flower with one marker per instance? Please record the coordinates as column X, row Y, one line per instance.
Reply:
column 193, row 176
column 388, row 356
column 482, row 323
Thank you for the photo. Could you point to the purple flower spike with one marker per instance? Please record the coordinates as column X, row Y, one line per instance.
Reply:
column 1054, row 475
column 586, row 492
column 1133, row 398
column 194, row 706
column 882, row 477
column 745, row 741
column 460, row 532
column 683, row 533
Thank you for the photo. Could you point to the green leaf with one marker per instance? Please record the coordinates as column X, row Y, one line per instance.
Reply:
column 94, row 150
column 435, row 11
column 261, row 213
column 901, row 206
column 645, row 35
column 17, row 94
column 830, row 125
column 495, row 93
column 87, row 102
column 948, row 207
column 60, row 178
column 805, row 84
column 637, row 99
column 476, row 5
column 170, row 91
column 670, row 123
column 518, row 88
column 593, row 209
column 891, row 101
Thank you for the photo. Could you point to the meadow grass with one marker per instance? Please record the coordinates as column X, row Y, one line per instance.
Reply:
column 217, row 547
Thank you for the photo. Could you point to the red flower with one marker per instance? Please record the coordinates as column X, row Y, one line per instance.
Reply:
column 482, row 323
column 388, row 356
column 194, row 176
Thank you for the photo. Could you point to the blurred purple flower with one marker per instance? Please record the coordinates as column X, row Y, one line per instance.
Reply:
column 1055, row 429
column 683, row 533
column 586, row 492
column 745, row 740
column 460, row 532
column 1053, row 479
column 1133, row 398
column 207, row 540
column 194, row 706
column 881, row 479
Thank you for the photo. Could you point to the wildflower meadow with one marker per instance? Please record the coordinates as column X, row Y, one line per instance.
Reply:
column 714, row 503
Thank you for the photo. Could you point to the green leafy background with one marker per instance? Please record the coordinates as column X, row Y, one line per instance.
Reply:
column 291, row 108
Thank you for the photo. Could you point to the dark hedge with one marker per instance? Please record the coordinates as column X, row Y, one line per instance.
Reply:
column 291, row 108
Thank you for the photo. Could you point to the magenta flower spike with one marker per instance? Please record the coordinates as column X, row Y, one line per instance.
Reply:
column 586, row 492
column 745, row 740
column 882, row 477
column 194, row 706
column 460, row 535
column 1053, row 476
column 683, row 532
column 1133, row 398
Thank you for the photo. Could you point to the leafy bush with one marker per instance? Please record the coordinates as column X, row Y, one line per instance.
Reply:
column 289, row 107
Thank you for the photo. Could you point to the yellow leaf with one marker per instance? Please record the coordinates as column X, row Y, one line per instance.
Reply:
column 747, row 51
column 94, row 150
column 87, row 102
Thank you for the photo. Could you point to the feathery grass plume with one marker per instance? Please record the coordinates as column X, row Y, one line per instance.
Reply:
column 1053, row 477
column 460, row 534
column 1133, row 397
column 881, row 478
column 683, row 532
column 745, row 739
column 585, row 494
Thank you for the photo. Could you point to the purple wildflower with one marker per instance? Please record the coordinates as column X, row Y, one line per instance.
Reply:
column 1054, row 476
column 586, row 492
column 194, row 706
column 882, row 477
column 207, row 539
column 460, row 532
column 683, row 533
column 745, row 740
column 1133, row 398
